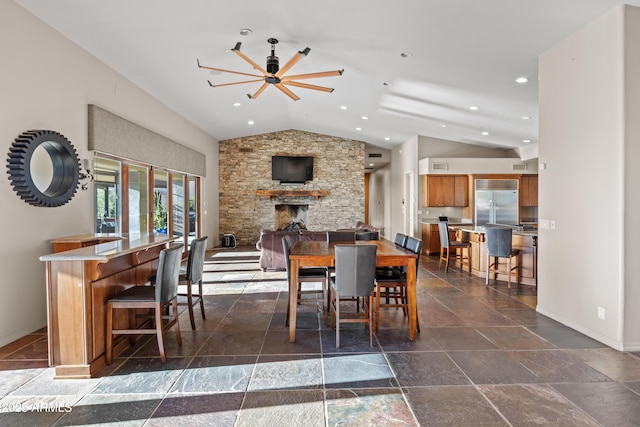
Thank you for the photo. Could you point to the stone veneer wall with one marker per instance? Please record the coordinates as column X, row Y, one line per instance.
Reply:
column 245, row 166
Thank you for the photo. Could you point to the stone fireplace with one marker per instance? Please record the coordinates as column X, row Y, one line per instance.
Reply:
column 291, row 217
column 248, row 196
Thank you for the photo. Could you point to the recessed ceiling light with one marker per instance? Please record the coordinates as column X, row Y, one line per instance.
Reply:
column 485, row 133
column 358, row 128
column 443, row 126
column 474, row 107
column 526, row 141
column 245, row 31
column 522, row 80
column 343, row 107
column 386, row 138
column 386, row 84
column 236, row 104
column 365, row 118
column 371, row 164
column 525, row 117
column 250, row 122
column 406, row 54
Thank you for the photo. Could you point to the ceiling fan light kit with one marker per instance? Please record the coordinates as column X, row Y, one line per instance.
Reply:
column 273, row 74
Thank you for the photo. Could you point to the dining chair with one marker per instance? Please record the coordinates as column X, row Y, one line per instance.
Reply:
column 449, row 248
column 305, row 274
column 392, row 285
column 354, row 278
column 341, row 236
column 499, row 246
column 368, row 235
column 192, row 276
column 156, row 297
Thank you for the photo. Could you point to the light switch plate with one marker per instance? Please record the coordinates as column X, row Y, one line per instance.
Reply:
column 544, row 224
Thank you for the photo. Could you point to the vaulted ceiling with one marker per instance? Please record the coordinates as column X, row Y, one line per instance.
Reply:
column 411, row 67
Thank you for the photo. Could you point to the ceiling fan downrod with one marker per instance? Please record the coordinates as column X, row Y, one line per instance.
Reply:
column 273, row 63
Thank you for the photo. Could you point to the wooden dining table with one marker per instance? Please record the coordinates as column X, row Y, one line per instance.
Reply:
column 322, row 254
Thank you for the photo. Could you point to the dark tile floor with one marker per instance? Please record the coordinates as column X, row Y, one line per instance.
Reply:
column 483, row 357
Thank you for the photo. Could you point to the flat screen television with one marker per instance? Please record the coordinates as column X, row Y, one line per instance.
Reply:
column 292, row 169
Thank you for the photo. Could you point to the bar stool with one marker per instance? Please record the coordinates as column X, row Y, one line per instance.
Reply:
column 193, row 276
column 446, row 245
column 157, row 297
column 499, row 246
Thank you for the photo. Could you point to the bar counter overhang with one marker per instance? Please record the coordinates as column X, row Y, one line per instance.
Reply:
column 79, row 283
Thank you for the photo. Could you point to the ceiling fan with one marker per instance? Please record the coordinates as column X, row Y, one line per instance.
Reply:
column 274, row 75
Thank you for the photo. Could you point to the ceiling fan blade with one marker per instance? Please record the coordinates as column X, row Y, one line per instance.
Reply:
column 287, row 91
column 313, row 75
column 236, row 83
column 308, row 86
column 226, row 71
column 293, row 61
column 258, row 92
column 249, row 60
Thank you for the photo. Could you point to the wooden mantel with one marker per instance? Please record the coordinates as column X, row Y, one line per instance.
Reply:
column 267, row 194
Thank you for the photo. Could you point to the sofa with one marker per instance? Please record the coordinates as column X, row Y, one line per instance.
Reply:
column 270, row 244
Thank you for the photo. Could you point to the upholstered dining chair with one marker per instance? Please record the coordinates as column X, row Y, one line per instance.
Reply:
column 305, row 274
column 192, row 276
column 354, row 278
column 156, row 297
column 341, row 236
column 499, row 246
column 368, row 235
column 392, row 284
column 449, row 248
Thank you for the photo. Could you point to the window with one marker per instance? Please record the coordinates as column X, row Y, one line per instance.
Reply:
column 178, row 206
column 160, row 202
column 106, row 200
column 138, row 201
column 145, row 200
column 192, row 182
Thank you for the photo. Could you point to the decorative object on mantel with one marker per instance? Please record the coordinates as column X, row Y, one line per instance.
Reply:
column 274, row 74
column 292, row 193
column 50, row 188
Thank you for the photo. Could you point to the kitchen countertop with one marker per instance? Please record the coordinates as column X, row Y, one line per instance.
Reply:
column 452, row 221
column 482, row 230
column 108, row 250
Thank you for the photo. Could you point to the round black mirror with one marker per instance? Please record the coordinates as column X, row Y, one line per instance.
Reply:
column 56, row 182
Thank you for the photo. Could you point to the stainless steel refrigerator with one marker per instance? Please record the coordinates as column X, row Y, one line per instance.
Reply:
column 496, row 201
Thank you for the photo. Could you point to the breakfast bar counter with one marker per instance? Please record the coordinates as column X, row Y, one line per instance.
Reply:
column 526, row 241
column 79, row 283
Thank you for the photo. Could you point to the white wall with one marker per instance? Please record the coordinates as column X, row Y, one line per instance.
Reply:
column 47, row 82
column 379, row 200
column 589, row 187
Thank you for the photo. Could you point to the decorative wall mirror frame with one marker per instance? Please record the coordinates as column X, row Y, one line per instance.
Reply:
column 65, row 172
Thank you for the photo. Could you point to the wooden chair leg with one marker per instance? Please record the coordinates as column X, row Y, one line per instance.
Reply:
column 201, row 299
column 109, row 349
column 190, row 306
column 378, row 290
column 174, row 303
column 160, row 332
column 370, row 320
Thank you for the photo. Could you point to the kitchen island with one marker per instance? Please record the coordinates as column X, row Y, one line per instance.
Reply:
column 526, row 241
column 79, row 283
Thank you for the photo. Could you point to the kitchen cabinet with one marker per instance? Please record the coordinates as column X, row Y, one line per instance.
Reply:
column 529, row 190
column 445, row 190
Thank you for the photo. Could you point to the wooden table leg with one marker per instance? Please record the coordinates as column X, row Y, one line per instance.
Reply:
column 293, row 299
column 412, row 299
